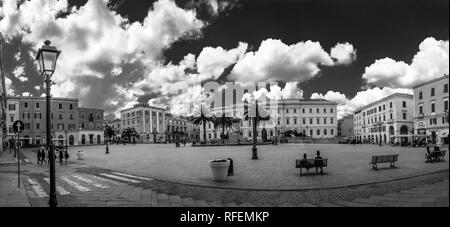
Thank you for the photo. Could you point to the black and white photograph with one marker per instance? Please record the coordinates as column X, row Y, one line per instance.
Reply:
column 229, row 104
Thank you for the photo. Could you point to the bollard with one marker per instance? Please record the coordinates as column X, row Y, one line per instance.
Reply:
column 230, row 169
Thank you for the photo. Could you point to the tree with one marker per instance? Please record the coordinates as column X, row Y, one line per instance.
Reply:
column 224, row 122
column 202, row 119
column 129, row 133
column 108, row 133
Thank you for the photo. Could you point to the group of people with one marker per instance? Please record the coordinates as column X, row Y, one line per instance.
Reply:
column 43, row 156
column 178, row 143
column 13, row 145
column 318, row 162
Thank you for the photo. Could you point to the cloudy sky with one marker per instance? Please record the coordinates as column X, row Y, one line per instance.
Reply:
column 120, row 52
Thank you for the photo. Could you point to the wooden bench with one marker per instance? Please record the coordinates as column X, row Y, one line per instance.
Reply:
column 311, row 163
column 436, row 156
column 392, row 159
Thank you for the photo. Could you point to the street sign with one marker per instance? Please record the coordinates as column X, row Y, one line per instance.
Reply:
column 18, row 126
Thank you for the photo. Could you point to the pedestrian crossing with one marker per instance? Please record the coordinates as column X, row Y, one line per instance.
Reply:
column 71, row 183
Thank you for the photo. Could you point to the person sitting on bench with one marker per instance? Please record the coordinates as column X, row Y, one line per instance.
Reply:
column 304, row 162
column 318, row 162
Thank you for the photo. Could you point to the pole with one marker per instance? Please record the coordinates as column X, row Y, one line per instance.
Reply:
column 18, row 159
column 52, row 201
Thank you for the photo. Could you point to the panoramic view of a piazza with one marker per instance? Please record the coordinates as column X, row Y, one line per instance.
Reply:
column 224, row 103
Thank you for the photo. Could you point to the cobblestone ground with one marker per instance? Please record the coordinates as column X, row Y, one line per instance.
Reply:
column 84, row 185
column 275, row 169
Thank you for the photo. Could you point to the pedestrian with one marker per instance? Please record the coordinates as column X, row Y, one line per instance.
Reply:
column 42, row 150
column 39, row 157
column 66, row 157
column 61, row 157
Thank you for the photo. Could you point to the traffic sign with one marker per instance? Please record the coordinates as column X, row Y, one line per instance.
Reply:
column 18, row 126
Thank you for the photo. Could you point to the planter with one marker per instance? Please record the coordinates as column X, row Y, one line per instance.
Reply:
column 219, row 169
column 80, row 155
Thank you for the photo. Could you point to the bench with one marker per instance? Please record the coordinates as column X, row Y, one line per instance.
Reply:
column 436, row 156
column 392, row 159
column 311, row 163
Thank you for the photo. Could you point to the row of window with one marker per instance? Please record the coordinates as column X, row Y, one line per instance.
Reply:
column 37, row 105
column 138, row 121
column 433, row 91
column 433, row 121
column 433, row 107
column 311, row 121
column 310, row 110
column 147, row 113
column 382, row 108
column 375, row 119
column 39, row 126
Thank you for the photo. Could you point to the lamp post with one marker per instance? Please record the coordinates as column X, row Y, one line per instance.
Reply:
column 47, row 57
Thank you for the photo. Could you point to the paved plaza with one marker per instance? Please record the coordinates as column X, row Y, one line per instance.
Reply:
column 275, row 170
column 139, row 176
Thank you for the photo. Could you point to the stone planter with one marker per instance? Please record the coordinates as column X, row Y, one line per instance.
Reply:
column 219, row 169
column 80, row 155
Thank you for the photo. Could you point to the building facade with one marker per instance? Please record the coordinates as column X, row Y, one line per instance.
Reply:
column 345, row 126
column 91, row 126
column 311, row 118
column 389, row 120
column 148, row 121
column 32, row 112
column 180, row 128
column 431, row 110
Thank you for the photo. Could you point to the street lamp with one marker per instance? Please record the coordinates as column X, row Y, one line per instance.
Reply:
column 47, row 57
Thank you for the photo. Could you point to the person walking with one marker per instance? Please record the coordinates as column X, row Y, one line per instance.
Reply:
column 42, row 150
column 61, row 157
column 39, row 156
column 66, row 157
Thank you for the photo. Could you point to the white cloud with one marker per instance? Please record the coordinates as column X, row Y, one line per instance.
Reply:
column 432, row 61
column 276, row 61
column 116, row 71
column 348, row 106
column 332, row 96
column 8, row 86
column 95, row 39
column 343, row 53
column 212, row 62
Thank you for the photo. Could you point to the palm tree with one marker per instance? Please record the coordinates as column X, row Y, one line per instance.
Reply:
column 224, row 122
column 254, row 115
column 109, row 133
column 202, row 119
column 129, row 133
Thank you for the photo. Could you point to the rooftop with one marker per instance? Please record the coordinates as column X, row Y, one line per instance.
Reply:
column 385, row 99
column 431, row 81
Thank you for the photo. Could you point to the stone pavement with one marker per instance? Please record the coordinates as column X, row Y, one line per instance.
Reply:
column 80, row 187
column 275, row 170
column 10, row 194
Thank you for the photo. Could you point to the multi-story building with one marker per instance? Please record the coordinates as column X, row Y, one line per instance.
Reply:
column 148, row 121
column 431, row 107
column 116, row 125
column 91, row 126
column 311, row 118
column 32, row 112
column 180, row 128
column 345, row 126
column 389, row 120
